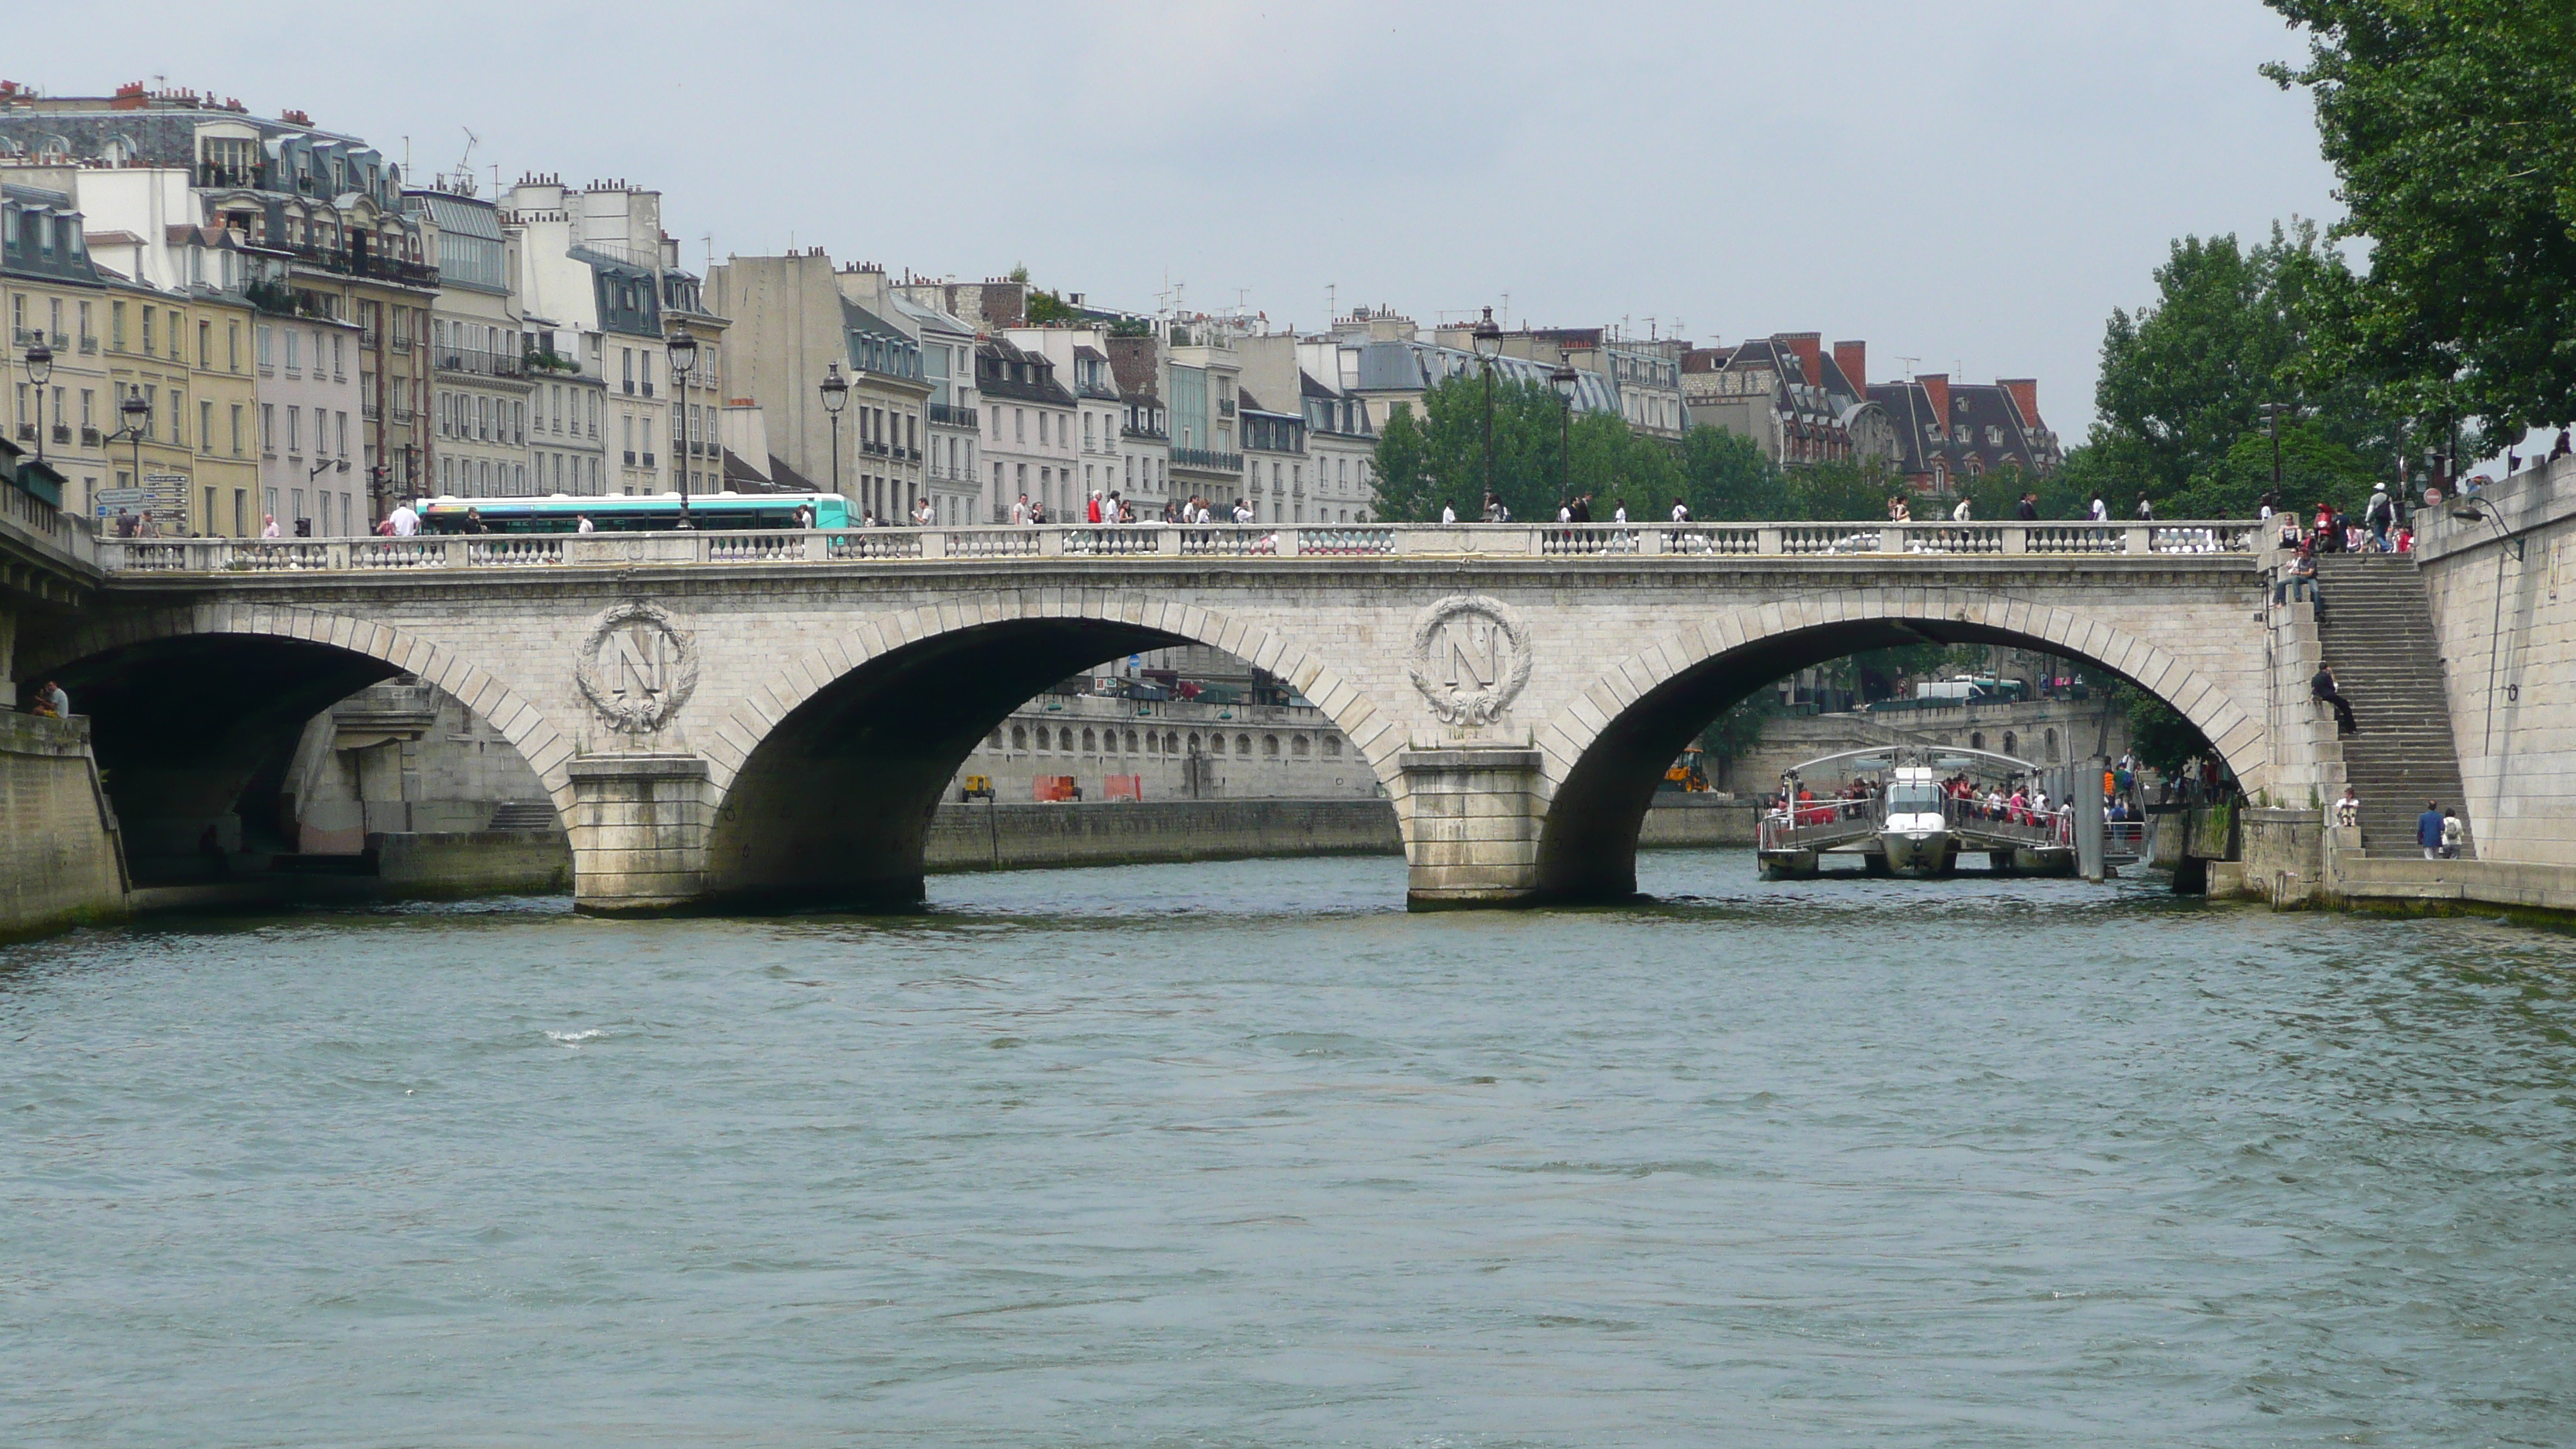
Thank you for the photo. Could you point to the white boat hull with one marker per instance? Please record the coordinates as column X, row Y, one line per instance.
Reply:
column 1916, row 852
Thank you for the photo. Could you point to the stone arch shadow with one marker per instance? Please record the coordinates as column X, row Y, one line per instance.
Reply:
column 1606, row 753
column 824, row 781
column 195, row 711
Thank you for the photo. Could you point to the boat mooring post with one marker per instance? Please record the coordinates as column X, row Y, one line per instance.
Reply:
column 2084, row 792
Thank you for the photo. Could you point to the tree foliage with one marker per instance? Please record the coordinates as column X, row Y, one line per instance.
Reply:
column 1542, row 458
column 2158, row 734
column 2452, row 126
column 2185, row 380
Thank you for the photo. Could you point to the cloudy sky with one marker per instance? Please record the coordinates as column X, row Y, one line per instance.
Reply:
column 1972, row 186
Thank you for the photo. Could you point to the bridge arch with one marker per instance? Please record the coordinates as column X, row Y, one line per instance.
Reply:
column 824, row 779
column 1605, row 753
column 191, row 707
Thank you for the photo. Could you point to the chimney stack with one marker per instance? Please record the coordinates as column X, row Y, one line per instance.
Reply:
column 1853, row 359
column 2025, row 396
column 1810, row 347
column 1936, row 390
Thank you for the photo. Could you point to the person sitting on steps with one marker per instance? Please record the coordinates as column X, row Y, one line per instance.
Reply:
column 2323, row 687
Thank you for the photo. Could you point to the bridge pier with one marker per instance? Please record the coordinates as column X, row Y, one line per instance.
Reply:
column 1471, row 813
column 639, row 832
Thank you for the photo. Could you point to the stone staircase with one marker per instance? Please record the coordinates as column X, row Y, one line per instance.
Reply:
column 2378, row 636
column 523, row 815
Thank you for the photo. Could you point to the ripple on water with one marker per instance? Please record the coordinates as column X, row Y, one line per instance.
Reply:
column 1244, row 1154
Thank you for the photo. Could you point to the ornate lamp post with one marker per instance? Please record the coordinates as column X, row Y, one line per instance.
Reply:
column 134, row 409
column 1489, row 343
column 684, row 360
column 40, row 367
column 1566, row 379
column 836, row 395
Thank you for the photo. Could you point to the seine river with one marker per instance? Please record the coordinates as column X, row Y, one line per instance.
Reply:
column 1245, row 1155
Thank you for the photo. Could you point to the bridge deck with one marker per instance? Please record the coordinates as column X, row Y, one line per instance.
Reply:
column 1604, row 542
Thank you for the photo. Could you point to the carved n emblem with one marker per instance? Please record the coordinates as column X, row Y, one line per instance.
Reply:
column 1470, row 658
column 637, row 667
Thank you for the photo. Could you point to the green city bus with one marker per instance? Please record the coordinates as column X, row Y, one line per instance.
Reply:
column 646, row 513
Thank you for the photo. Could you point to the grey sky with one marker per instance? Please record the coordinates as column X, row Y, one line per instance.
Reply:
column 1975, row 186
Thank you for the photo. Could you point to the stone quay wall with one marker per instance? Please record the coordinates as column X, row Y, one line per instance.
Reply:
column 1019, row 835
column 2504, row 608
column 60, row 862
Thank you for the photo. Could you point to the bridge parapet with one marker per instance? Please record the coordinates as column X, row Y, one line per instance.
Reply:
column 1560, row 541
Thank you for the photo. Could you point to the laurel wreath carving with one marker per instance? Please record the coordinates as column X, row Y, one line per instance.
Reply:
column 637, row 715
column 1450, row 703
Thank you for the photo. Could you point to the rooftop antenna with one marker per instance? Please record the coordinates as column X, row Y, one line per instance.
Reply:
column 465, row 163
column 1507, row 309
column 1909, row 366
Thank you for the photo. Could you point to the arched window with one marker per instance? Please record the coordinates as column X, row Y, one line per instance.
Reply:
column 1299, row 746
column 1153, row 743
column 1243, row 744
column 1131, row 742
column 1109, row 741
column 2048, row 743
column 995, row 742
column 1019, row 737
column 1172, row 743
column 1090, row 743
column 1332, row 747
column 1216, row 744
column 1270, row 747
column 1194, row 742
column 2010, row 744
column 1977, row 741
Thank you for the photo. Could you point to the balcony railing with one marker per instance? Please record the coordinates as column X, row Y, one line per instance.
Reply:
column 648, row 460
column 1225, row 407
column 648, row 387
column 482, row 364
column 949, row 416
column 89, row 344
column 1207, row 460
column 90, row 437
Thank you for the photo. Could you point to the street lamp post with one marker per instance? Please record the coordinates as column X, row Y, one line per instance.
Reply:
column 684, row 361
column 836, row 395
column 1565, row 378
column 2272, row 411
column 40, row 368
column 135, row 410
column 1488, row 339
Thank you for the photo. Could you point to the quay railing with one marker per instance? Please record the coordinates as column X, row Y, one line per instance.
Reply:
column 1607, row 543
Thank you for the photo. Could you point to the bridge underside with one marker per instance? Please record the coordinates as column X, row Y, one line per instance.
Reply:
column 195, row 736
column 834, row 806
column 1587, row 846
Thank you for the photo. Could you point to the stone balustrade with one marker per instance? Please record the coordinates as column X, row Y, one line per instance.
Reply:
column 1616, row 542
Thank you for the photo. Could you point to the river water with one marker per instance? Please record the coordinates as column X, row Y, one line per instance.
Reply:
column 1245, row 1155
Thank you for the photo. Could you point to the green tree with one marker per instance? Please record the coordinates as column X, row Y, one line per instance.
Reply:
column 2158, row 734
column 1838, row 492
column 1726, row 477
column 2452, row 127
column 1406, row 492
column 2185, row 382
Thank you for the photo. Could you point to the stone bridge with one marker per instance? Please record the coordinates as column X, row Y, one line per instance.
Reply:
column 746, row 718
